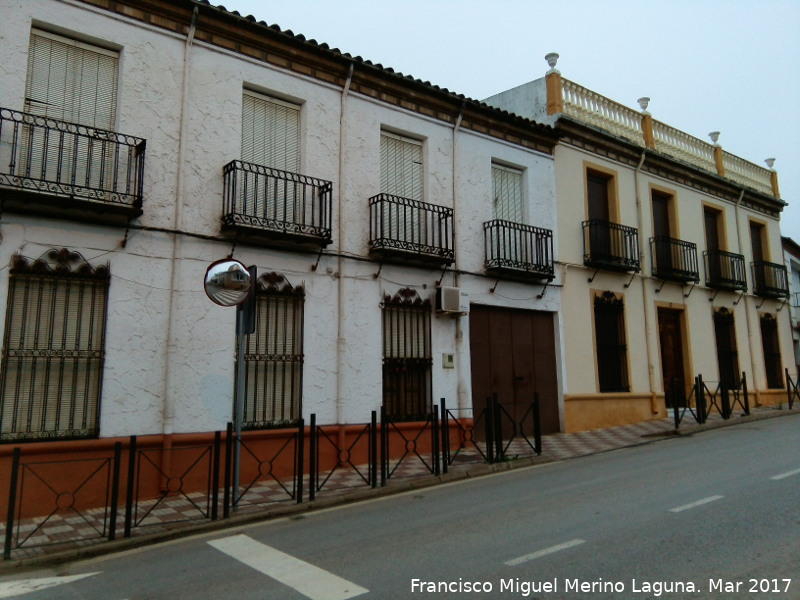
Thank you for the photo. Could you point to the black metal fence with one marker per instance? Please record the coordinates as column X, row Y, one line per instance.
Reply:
column 40, row 154
column 792, row 390
column 135, row 485
column 703, row 399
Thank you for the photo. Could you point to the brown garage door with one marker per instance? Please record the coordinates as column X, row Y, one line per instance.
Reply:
column 514, row 356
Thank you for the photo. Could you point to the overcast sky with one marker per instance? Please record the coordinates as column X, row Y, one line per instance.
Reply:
column 708, row 65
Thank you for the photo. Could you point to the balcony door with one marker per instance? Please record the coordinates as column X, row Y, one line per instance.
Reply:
column 599, row 209
column 662, row 231
column 507, row 206
column 271, row 138
column 72, row 82
column 757, row 246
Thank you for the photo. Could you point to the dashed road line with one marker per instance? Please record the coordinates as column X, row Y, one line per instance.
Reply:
column 311, row 581
column 785, row 475
column 695, row 504
column 544, row 552
column 15, row 589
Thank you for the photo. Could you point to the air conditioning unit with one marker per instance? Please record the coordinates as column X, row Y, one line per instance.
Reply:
column 452, row 300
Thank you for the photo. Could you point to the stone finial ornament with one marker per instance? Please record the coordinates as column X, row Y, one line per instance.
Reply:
column 552, row 60
column 644, row 102
column 714, row 135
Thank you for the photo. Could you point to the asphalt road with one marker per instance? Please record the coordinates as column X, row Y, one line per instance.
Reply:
column 715, row 515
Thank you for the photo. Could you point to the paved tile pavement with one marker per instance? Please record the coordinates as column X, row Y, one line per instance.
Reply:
column 88, row 531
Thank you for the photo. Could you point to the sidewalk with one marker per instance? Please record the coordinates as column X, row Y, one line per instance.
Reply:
column 182, row 515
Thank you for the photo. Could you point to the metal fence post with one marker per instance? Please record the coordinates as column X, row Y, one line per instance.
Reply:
column 489, row 431
column 746, row 396
column 215, row 476
column 498, row 429
column 112, row 525
column 435, row 440
column 701, row 399
column 313, row 456
column 373, row 449
column 226, row 490
column 384, row 446
column 300, row 465
column 445, row 437
column 131, row 484
column 12, row 502
column 537, row 424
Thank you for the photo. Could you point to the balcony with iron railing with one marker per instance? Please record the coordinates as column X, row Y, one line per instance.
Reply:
column 610, row 246
column 518, row 251
column 61, row 169
column 770, row 280
column 725, row 270
column 270, row 207
column 410, row 230
column 674, row 260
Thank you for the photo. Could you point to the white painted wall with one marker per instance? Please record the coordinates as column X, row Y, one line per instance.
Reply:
column 169, row 350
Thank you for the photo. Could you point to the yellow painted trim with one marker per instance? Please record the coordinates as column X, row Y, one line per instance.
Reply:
column 719, row 160
column 555, row 93
column 774, row 180
column 647, row 131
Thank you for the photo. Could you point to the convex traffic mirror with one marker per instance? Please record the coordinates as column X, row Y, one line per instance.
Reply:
column 227, row 282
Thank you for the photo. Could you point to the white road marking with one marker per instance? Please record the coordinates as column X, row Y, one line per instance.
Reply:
column 787, row 474
column 678, row 509
column 14, row 589
column 311, row 581
column 540, row 553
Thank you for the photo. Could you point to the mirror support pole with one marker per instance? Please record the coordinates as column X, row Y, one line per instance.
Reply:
column 245, row 325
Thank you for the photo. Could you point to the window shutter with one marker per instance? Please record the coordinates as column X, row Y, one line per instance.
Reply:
column 71, row 81
column 507, row 194
column 270, row 132
column 401, row 166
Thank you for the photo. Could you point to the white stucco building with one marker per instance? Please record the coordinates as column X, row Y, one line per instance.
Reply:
column 140, row 144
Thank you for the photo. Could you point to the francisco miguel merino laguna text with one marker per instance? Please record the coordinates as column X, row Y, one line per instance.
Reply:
column 526, row 588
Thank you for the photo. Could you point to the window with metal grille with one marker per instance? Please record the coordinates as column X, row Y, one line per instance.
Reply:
column 53, row 348
column 274, row 356
column 772, row 351
column 727, row 353
column 612, row 350
column 407, row 356
column 507, row 193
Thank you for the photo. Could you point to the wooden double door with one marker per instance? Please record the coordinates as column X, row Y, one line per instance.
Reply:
column 513, row 355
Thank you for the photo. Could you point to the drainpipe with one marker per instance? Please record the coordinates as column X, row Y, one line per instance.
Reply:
column 744, row 297
column 341, row 340
column 647, row 300
column 461, row 389
column 168, row 408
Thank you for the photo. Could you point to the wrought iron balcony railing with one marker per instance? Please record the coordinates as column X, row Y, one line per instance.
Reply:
column 770, row 280
column 796, row 300
column 411, row 230
column 674, row 260
column 610, row 246
column 725, row 270
column 273, row 207
column 69, row 167
column 518, row 250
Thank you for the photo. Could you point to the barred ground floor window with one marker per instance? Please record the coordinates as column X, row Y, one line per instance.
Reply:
column 611, row 345
column 53, row 347
column 407, row 359
column 274, row 356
